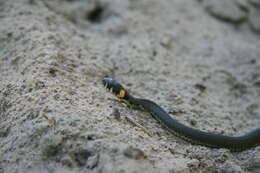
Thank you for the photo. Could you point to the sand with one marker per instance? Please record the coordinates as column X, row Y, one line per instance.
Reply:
column 56, row 117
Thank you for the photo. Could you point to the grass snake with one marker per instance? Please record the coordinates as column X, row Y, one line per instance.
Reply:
column 234, row 143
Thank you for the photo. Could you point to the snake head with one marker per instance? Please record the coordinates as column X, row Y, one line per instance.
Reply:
column 114, row 87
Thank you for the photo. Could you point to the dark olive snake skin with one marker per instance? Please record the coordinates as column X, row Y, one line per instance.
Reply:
column 236, row 143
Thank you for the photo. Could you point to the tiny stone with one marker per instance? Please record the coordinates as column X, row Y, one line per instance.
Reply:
column 134, row 153
column 92, row 136
column 4, row 132
column 93, row 161
column 82, row 156
column 116, row 113
column 194, row 163
column 51, row 150
column 193, row 122
column 51, row 146
column 167, row 41
column 67, row 161
column 201, row 87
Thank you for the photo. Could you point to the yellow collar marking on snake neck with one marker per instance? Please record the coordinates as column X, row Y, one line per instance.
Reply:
column 121, row 94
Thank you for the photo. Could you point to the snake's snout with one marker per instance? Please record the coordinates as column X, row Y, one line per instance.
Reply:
column 104, row 82
column 108, row 82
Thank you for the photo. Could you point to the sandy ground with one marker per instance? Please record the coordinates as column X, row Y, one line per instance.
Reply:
column 197, row 60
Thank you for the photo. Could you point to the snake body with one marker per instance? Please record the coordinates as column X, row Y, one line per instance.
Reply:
column 236, row 143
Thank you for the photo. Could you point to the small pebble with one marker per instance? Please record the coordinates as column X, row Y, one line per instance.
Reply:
column 193, row 122
column 82, row 156
column 67, row 161
column 134, row 153
column 92, row 136
column 200, row 87
column 93, row 161
column 167, row 41
column 116, row 113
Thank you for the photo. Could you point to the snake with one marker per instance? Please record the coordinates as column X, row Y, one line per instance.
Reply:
column 189, row 134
